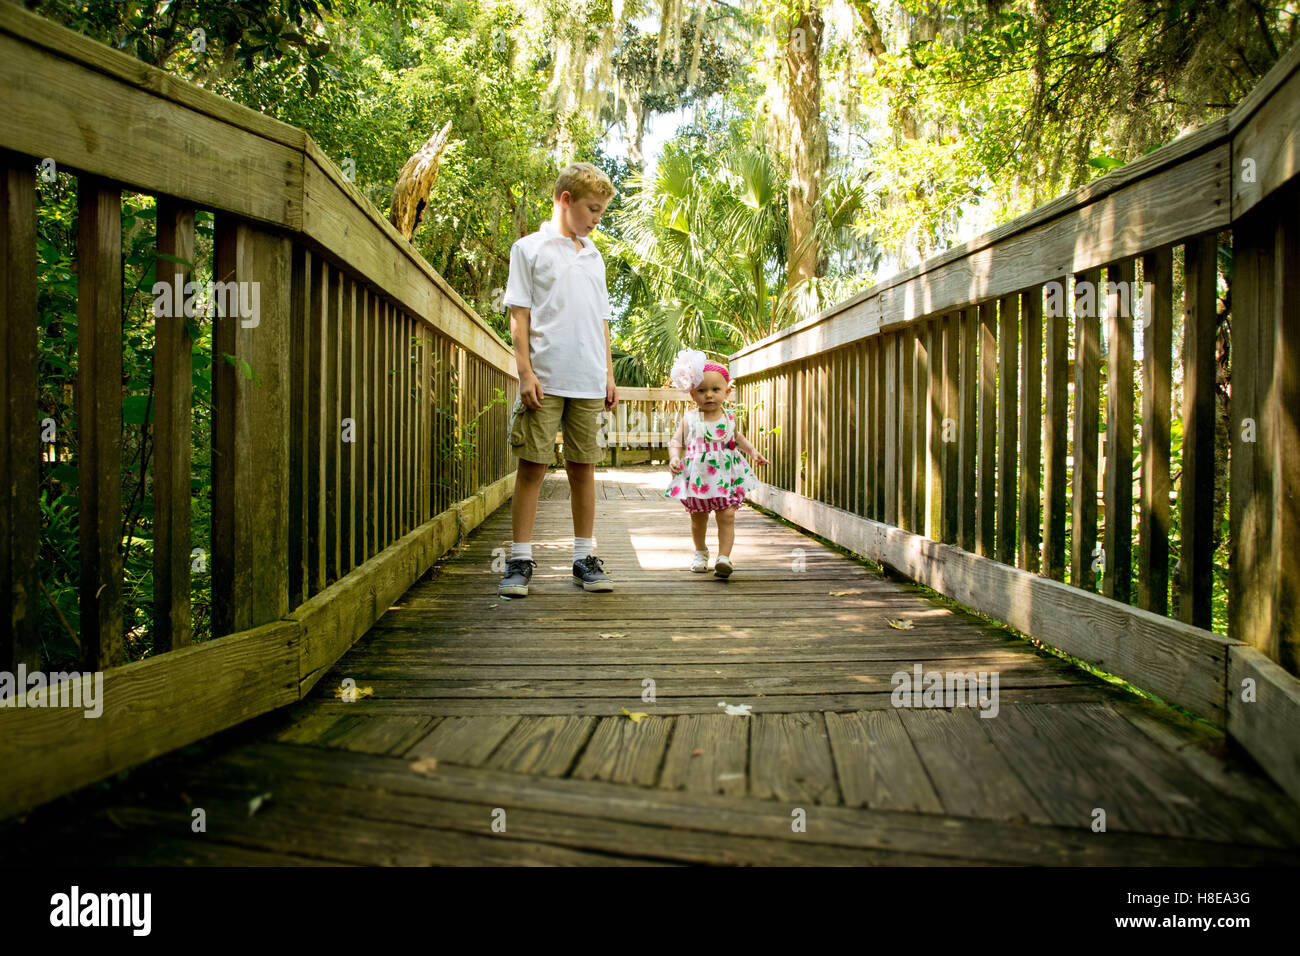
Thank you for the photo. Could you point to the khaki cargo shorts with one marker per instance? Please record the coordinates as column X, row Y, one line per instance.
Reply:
column 532, row 432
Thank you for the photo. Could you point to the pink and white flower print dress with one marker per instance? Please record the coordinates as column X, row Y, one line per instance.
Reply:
column 715, row 475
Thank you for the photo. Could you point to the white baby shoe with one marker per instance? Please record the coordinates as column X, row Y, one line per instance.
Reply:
column 722, row 567
column 700, row 563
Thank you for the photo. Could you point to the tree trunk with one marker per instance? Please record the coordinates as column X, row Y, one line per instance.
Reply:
column 807, row 139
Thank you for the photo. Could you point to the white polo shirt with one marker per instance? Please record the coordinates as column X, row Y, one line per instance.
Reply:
column 569, row 302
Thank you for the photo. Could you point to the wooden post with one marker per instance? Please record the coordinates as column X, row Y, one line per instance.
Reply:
column 987, row 425
column 1117, row 541
column 1031, row 426
column 1250, row 493
column 173, row 418
column 1087, row 382
column 1284, row 430
column 1008, row 425
column 1157, row 339
column 99, row 420
column 1056, row 435
column 1196, row 488
column 347, row 413
column 250, row 509
column 20, row 425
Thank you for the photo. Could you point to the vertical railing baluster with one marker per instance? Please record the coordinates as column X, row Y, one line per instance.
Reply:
column 1087, row 371
column 1031, row 426
column 20, row 442
column 99, row 420
column 988, row 429
column 1117, row 539
column 1008, row 425
column 173, row 416
column 1157, row 369
column 1055, row 427
column 1196, row 486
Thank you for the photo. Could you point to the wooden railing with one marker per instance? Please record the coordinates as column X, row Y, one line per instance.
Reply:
column 940, row 423
column 358, row 422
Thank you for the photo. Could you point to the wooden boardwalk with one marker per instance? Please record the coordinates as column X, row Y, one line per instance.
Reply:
column 496, row 732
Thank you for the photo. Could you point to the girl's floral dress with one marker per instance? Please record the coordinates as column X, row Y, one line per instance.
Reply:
column 715, row 475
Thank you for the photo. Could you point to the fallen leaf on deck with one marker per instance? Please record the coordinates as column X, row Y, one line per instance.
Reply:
column 256, row 803
column 613, row 634
column 841, row 593
column 736, row 710
column 426, row 765
column 697, row 752
column 731, row 776
column 353, row 693
column 636, row 718
column 902, row 625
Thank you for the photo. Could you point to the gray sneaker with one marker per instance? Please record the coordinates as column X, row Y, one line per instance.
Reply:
column 591, row 575
column 518, row 573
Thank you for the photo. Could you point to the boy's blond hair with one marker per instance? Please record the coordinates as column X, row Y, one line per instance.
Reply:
column 583, row 179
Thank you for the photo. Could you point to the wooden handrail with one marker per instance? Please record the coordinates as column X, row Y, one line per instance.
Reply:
column 358, row 417
column 905, row 422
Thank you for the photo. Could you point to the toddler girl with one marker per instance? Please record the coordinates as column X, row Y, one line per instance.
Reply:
column 714, row 475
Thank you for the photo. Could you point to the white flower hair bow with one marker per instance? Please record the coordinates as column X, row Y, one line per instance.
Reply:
column 688, row 369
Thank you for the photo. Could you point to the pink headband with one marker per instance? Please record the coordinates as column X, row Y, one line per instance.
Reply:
column 715, row 367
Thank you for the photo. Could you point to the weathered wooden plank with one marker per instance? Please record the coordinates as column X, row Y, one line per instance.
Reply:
column 1087, row 383
column 625, row 751
column 1157, row 343
column 768, row 704
column 1196, row 486
column 545, row 746
column 1008, row 426
column 908, row 833
column 148, row 708
column 971, row 776
column 1031, row 428
column 1056, row 435
column 20, row 446
column 907, row 346
column 465, row 740
column 250, row 573
column 1264, row 714
column 876, row 764
column 708, row 754
column 99, row 421
column 790, row 758
column 1263, row 126
column 384, row 735
column 1117, row 539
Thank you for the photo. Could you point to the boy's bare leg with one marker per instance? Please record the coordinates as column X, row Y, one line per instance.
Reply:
column 582, row 492
column 700, row 529
column 523, row 505
column 726, row 530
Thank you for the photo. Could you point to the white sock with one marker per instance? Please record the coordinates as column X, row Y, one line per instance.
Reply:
column 524, row 551
column 582, row 547
column 702, row 553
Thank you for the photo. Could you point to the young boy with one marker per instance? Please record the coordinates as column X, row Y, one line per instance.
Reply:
column 559, row 315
